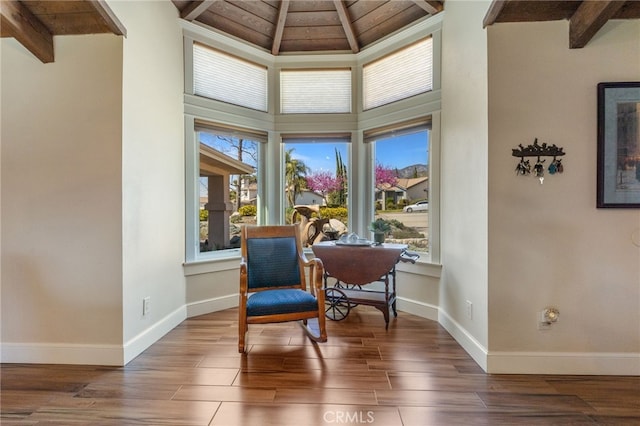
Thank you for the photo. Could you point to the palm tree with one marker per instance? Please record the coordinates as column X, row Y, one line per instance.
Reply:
column 294, row 176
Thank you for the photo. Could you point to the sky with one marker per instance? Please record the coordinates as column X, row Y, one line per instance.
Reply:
column 398, row 152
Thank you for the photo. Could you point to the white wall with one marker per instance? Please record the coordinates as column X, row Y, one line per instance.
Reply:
column 61, row 204
column 464, row 146
column 152, row 172
column 548, row 244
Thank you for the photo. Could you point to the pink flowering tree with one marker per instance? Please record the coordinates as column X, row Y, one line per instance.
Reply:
column 385, row 175
column 323, row 182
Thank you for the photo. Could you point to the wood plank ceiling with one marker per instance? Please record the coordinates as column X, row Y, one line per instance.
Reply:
column 283, row 26
column 585, row 18
column 288, row 26
column 34, row 23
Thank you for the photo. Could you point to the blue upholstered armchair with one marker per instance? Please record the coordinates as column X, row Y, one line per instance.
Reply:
column 273, row 283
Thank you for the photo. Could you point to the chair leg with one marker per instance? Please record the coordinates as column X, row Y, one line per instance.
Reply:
column 242, row 334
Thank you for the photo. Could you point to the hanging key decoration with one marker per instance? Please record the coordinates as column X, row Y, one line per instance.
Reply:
column 523, row 167
column 536, row 150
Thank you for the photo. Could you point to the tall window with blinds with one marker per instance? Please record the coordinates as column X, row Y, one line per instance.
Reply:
column 229, row 79
column 399, row 75
column 315, row 91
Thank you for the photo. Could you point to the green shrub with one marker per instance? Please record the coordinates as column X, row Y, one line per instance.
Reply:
column 340, row 213
column 204, row 215
column 248, row 210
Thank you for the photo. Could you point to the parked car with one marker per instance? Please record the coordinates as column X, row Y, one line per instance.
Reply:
column 417, row 207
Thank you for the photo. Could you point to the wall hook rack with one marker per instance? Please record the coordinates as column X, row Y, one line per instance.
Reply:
column 536, row 150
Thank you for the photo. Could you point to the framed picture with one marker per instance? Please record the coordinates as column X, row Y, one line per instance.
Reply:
column 618, row 145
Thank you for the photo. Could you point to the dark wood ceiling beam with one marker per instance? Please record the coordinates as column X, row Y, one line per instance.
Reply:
column 195, row 9
column 494, row 11
column 110, row 18
column 282, row 17
column 18, row 22
column 588, row 19
column 430, row 6
column 346, row 25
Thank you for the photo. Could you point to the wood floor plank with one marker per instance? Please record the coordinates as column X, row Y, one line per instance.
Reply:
column 235, row 414
column 225, row 393
column 326, row 396
column 413, row 373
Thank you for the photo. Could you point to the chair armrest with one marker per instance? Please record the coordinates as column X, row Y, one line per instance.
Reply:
column 316, row 275
column 244, row 286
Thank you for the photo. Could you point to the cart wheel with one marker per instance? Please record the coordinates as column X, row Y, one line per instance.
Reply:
column 349, row 287
column 337, row 305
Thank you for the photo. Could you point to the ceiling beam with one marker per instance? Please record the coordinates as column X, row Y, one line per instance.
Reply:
column 588, row 19
column 110, row 18
column 195, row 9
column 18, row 22
column 346, row 25
column 430, row 6
column 494, row 11
column 282, row 17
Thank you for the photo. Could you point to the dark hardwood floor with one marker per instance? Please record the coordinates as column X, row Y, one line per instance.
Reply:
column 412, row 374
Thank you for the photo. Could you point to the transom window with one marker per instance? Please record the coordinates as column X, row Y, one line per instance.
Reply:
column 226, row 78
column 315, row 91
column 400, row 75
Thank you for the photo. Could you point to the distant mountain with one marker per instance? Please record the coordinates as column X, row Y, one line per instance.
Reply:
column 415, row 170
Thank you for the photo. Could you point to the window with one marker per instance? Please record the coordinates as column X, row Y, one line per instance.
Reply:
column 400, row 75
column 401, row 179
column 227, row 184
column 315, row 91
column 309, row 166
column 316, row 176
column 226, row 78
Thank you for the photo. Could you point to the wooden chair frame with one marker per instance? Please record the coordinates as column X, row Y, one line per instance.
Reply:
column 315, row 330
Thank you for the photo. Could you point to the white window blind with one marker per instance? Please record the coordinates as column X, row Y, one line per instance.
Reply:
column 400, row 75
column 226, row 78
column 315, row 91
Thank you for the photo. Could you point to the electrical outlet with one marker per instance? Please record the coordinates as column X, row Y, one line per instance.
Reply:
column 146, row 306
column 469, row 309
column 542, row 323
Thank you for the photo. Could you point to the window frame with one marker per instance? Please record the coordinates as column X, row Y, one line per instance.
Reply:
column 360, row 161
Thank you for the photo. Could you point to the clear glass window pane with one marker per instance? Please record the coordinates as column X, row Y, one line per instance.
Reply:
column 228, row 188
column 402, row 187
column 316, row 187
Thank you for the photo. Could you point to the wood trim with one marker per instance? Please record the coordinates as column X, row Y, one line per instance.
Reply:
column 110, row 18
column 282, row 17
column 588, row 19
column 195, row 9
column 343, row 14
column 494, row 11
column 27, row 29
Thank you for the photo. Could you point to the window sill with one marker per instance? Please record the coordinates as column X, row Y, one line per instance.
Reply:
column 226, row 261
column 230, row 260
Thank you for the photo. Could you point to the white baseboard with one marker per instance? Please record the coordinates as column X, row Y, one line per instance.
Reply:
column 216, row 304
column 569, row 363
column 464, row 339
column 574, row 363
column 415, row 307
column 61, row 353
column 149, row 336
column 88, row 354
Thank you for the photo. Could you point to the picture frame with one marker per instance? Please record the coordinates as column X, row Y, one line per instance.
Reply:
column 618, row 168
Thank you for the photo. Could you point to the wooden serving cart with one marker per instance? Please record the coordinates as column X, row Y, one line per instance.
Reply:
column 353, row 267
